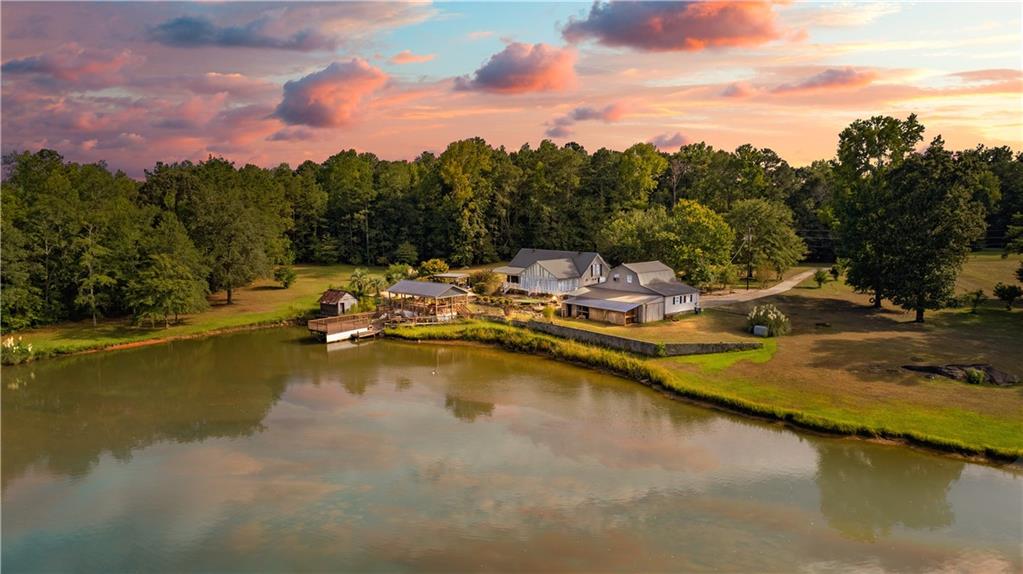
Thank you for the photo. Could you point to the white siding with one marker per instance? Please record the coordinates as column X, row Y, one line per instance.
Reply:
column 681, row 303
column 536, row 279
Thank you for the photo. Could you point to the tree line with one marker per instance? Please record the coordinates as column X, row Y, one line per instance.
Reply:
column 81, row 241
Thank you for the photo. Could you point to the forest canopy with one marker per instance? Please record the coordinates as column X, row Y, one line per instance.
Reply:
column 82, row 241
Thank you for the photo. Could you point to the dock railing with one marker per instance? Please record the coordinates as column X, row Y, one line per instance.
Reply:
column 329, row 325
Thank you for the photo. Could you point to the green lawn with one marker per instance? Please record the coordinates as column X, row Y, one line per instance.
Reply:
column 262, row 302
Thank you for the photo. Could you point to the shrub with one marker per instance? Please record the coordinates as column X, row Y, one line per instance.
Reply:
column 726, row 275
column 821, row 277
column 285, row 275
column 432, row 267
column 484, row 282
column 974, row 299
column 548, row 312
column 15, row 351
column 398, row 271
column 366, row 304
column 1008, row 294
column 769, row 316
column 835, row 272
column 975, row 376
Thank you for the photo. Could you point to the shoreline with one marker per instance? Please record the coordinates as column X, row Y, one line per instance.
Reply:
column 658, row 379
column 293, row 322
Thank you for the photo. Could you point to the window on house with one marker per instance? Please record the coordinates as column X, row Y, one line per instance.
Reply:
column 628, row 278
column 615, row 278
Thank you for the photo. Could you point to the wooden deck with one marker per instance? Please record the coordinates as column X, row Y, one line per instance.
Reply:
column 330, row 325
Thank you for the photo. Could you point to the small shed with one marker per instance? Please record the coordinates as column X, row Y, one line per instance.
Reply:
column 439, row 301
column 336, row 302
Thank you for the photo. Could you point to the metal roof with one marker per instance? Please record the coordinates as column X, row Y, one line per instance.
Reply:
column 648, row 267
column 450, row 275
column 508, row 270
column 426, row 289
column 606, row 304
column 334, row 296
column 579, row 260
column 560, row 268
column 670, row 288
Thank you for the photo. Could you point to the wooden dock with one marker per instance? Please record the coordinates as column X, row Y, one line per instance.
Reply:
column 343, row 327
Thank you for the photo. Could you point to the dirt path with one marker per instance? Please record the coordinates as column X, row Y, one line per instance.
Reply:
column 711, row 301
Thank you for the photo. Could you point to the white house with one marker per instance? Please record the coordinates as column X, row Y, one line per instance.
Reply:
column 552, row 271
column 633, row 293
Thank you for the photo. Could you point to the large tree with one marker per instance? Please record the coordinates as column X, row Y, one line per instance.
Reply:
column 171, row 277
column 637, row 235
column 867, row 151
column 691, row 239
column 238, row 219
column 764, row 236
column 702, row 242
column 935, row 216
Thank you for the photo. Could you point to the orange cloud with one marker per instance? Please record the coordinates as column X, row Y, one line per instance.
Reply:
column 330, row 97
column 407, row 57
column 521, row 68
column 676, row 26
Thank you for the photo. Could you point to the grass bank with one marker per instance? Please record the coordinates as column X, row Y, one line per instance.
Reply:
column 910, row 426
column 264, row 303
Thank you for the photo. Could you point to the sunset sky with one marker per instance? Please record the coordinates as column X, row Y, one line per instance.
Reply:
column 263, row 83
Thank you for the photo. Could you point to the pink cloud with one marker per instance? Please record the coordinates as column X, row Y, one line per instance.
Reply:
column 996, row 75
column 676, row 26
column 330, row 97
column 738, row 90
column 290, row 134
column 669, row 142
column 522, row 68
column 830, row 79
column 407, row 57
column 561, row 126
column 73, row 66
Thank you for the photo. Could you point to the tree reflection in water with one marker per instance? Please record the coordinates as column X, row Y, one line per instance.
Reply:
column 867, row 489
column 467, row 410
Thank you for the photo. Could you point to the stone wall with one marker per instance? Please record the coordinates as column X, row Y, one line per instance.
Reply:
column 634, row 345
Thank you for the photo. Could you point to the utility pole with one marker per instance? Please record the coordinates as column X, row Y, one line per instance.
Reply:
column 749, row 255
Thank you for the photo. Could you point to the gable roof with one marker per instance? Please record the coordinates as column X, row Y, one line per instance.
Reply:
column 609, row 299
column 560, row 268
column 568, row 264
column 334, row 296
column 649, row 271
column 426, row 289
column 670, row 288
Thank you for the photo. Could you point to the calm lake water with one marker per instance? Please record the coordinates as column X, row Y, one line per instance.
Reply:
column 263, row 452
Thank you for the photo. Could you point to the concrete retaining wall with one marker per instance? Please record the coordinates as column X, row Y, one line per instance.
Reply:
column 634, row 345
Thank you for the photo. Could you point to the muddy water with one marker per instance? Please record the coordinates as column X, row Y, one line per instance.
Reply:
column 261, row 452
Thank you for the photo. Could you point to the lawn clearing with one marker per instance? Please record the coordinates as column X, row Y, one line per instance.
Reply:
column 262, row 302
